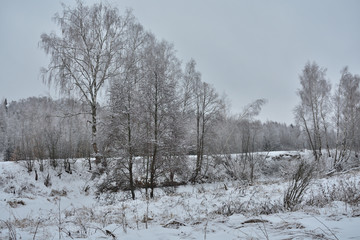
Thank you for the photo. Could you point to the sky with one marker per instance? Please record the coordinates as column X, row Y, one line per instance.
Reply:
column 247, row 49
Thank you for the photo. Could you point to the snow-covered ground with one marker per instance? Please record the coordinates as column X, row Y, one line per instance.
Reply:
column 70, row 209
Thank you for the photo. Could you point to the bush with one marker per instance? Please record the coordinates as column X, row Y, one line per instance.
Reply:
column 347, row 191
column 298, row 185
column 47, row 180
column 114, row 181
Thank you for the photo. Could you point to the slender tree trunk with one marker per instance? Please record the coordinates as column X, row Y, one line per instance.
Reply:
column 317, row 137
column 148, row 150
column 131, row 177
column 337, row 127
column 252, row 158
column 94, row 133
column 198, row 140
column 132, row 187
column 89, row 161
column 130, row 147
column 152, row 172
column 318, row 133
column 202, row 140
column 130, row 164
column 198, row 148
column 310, row 139
column 326, row 134
column 155, row 149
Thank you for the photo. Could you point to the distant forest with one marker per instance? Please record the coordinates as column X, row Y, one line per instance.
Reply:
column 43, row 128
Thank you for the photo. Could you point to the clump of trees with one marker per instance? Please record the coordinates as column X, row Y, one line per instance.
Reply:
column 87, row 54
column 329, row 120
column 100, row 50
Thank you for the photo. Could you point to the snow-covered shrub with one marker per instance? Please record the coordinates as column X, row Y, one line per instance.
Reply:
column 20, row 189
column 11, row 229
column 269, row 207
column 47, row 180
column 54, row 193
column 250, row 207
column 29, row 164
column 270, row 168
column 231, row 207
column 347, row 191
column 299, row 183
column 174, row 170
column 169, row 191
column 15, row 203
column 113, row 181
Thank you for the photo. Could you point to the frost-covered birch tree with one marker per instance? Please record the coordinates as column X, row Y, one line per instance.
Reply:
column 312, row 110
column 85, row 53
column 207, row 108
column 346, row 103
column 126, row 127
column 160, row 95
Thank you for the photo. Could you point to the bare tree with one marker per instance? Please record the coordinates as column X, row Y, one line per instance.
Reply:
column 208, row 108
column 126, row 128
column 246, row 130
column 250, row 129
column 86, row 54
column 160, row 99
column 191, row 79
column 314, row 97
column 347, row 116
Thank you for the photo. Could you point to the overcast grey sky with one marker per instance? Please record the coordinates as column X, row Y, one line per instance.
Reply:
column 246, row 49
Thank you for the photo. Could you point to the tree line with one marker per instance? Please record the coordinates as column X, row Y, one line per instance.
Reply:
column 40, row 128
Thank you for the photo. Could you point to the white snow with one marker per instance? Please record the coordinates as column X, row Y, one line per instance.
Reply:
column 221, row 210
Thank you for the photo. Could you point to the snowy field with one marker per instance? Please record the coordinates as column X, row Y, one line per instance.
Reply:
column 70, row 209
